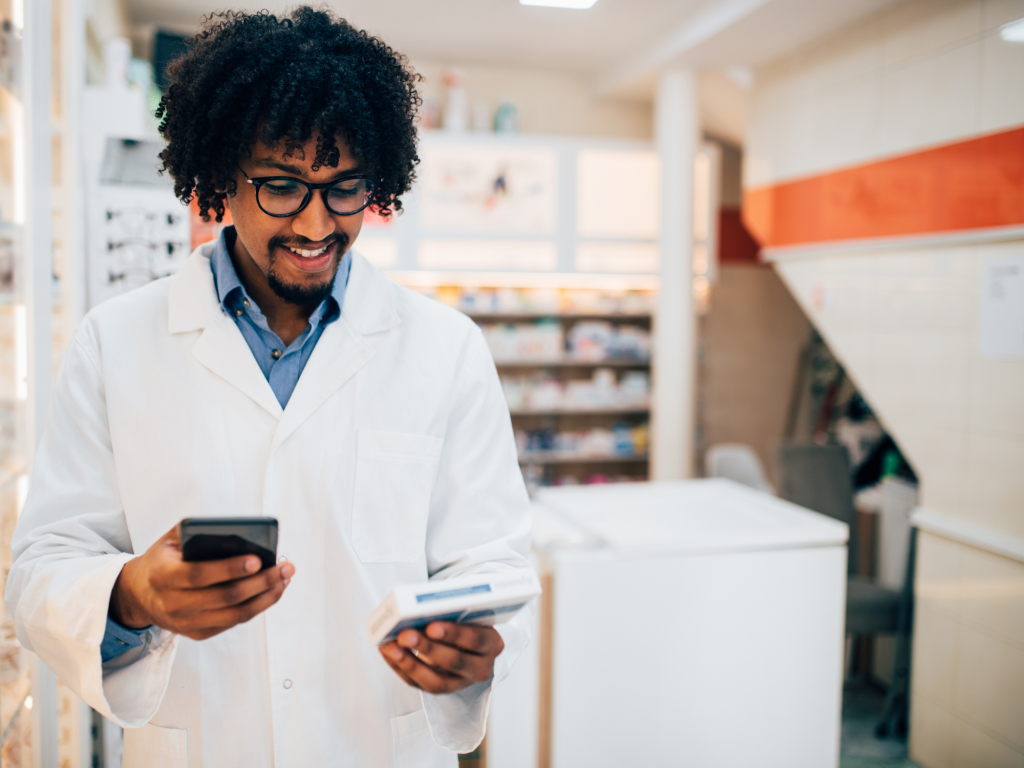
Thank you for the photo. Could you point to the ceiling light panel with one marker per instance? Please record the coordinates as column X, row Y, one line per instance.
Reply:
column 1011, row 33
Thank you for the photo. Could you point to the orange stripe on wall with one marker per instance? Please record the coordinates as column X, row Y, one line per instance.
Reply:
column 972, row 184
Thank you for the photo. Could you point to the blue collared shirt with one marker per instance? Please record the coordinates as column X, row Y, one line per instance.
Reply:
column 281, row 364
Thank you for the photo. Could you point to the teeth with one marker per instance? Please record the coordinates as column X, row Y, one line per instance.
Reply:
column 308, row 254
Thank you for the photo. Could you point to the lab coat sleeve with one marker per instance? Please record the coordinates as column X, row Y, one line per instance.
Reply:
column 479, row 522
column 69, row 546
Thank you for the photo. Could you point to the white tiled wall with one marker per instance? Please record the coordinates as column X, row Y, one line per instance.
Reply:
column 906, row 325
column 968, row 683
column 916, row 74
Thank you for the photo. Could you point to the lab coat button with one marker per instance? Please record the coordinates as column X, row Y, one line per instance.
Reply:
column 287, row 683
column 276, row 354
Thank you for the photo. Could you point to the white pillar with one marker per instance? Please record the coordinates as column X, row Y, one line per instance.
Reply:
column 72, row 79
column 38, row 258
column 37, row 265
column 676, row 131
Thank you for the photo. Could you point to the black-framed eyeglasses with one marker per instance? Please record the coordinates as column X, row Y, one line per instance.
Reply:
column 283, row 196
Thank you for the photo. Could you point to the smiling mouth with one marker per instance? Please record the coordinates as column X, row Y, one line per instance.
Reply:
column 309, row 253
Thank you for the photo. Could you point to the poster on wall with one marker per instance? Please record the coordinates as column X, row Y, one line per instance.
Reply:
column 489, row 190
column 1002, row 309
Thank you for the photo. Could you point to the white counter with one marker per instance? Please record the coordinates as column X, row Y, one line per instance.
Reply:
column 695, row 623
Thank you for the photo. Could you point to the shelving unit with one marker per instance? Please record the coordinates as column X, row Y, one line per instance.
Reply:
column 580, row 412
column 545, row 467
column 542, row 430
column 570, row 363
column 40, row 243
column 572, row 459
column 514, row 317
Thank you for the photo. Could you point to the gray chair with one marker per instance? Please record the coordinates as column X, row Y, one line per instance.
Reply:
column 818, row 477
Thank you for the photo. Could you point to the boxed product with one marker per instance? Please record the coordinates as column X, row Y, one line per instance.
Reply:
column 483, row 599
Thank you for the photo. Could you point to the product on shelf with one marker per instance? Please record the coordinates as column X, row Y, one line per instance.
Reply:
column 546, row 393
column 540, row 341
column 622, row 441
column 542, row 301
column 597, row 340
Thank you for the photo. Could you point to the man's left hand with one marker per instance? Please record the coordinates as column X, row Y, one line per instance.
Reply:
column 446, row 657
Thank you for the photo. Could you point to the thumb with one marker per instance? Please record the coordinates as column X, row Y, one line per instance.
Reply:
column 171, row 539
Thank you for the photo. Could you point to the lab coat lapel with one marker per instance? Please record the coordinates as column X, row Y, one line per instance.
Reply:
column 193, row 306
column 223, row 350
column 345, row 346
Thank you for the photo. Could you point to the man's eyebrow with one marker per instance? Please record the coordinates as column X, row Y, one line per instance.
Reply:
column 294, row 170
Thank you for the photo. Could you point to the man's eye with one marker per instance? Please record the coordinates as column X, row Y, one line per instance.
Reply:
column 347, row 189
column 281, row 188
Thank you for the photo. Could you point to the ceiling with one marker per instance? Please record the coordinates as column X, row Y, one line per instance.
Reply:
column 620, row 43
column 491, row 32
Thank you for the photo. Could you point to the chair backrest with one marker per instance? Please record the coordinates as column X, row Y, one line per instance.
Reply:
column 818, row 477
column 739, row 463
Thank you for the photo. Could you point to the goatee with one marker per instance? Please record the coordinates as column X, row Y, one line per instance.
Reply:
column 304, row 295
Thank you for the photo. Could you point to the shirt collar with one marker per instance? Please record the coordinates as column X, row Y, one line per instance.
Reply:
column 226, row 282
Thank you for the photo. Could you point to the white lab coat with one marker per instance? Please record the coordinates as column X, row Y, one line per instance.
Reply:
column 393, row 461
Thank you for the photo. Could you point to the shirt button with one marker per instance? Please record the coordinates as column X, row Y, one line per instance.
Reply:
column 287, row 683
column 238, row 312
column 276, row 354
column 246, row 302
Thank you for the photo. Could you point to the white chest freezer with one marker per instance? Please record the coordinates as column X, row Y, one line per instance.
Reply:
column 695, row 623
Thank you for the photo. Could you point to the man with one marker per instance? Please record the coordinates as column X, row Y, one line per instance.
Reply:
column 277, row 374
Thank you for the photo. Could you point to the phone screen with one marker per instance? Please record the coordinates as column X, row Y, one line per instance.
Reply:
column 218, row 538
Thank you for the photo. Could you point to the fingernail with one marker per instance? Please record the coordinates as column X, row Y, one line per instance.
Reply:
column 252, row 565
column 288, row 571
column 436, row 631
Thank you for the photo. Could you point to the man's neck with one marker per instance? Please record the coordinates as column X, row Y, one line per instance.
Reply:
column 285, row 319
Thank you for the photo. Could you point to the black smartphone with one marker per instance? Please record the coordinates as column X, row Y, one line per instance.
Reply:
column 218, row 538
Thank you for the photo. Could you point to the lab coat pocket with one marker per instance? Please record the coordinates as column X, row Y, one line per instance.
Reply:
column 414, row 747
column 395, row 476
column 153, row 747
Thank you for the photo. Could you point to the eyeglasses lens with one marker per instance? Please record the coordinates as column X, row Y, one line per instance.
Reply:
column 281, row 197
column 348, row 195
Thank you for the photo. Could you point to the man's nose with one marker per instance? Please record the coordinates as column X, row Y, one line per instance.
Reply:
column 314, row 222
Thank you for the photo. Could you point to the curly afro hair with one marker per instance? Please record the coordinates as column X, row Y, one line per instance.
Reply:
column 253, row 75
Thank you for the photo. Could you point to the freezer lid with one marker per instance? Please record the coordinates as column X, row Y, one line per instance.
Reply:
column 690, row 517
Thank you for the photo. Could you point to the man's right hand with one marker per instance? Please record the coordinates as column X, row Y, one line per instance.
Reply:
column 198, row 600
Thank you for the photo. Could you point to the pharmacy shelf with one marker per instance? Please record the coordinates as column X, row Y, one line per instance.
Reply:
column 580, row 411
column 563, row 458
column 14, row 692
column 511, row 317
column 569, row 363
column 10, row 471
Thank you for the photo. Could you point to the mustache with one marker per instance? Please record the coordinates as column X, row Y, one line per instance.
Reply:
column 287, row 242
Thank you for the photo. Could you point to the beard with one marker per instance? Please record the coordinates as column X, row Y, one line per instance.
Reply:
column 303, row 294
